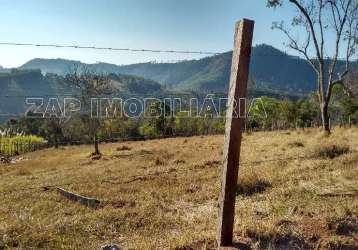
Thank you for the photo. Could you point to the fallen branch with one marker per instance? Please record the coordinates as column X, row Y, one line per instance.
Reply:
column 89, row 202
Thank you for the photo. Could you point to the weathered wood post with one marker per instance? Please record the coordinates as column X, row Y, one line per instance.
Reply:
column 234, row 126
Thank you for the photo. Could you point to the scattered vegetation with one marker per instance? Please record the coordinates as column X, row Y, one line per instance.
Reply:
column 174, row 206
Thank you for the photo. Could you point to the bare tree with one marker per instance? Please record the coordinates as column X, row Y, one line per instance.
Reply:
column 318, row 21
column 89, row 86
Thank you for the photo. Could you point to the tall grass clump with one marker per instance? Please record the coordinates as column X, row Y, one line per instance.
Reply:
column 11, row 145
column 250, row 183
column 330, row 151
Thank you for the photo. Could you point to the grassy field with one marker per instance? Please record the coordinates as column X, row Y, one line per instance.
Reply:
column 297, row 189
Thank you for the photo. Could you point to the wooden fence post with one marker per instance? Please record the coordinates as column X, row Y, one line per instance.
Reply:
column 233, row 131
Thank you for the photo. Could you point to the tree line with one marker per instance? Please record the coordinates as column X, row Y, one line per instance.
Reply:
column 263, row 113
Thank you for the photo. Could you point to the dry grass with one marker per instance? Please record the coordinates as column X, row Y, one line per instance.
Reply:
column 162, row 194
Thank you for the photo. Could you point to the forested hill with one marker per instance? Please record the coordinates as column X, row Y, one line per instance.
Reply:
column 35, row 83
column 271, row 68
column 17, row 85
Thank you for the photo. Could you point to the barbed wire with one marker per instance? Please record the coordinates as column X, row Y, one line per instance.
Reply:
column 109, row 48
column 174, row 51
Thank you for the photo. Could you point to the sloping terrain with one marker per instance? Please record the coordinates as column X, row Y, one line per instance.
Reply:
column 297, row 189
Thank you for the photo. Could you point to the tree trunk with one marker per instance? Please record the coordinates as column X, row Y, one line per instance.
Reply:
column 56, row 141
column 349, row 122
column 96, row 149
column 323, row 99
column 325, row 118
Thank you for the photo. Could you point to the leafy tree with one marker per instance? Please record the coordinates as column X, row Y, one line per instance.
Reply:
column 88, row 86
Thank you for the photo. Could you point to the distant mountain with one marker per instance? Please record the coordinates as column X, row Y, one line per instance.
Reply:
column 55, row 66
column 17, row 85
column 208, row 74
column 31, row 82
column 63, row 66
column 270, row 68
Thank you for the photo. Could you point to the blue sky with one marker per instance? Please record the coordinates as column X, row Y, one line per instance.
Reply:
column 205, row 25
